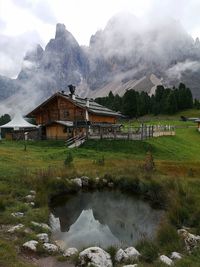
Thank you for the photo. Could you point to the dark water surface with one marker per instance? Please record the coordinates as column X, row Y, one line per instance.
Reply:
column 103, row 219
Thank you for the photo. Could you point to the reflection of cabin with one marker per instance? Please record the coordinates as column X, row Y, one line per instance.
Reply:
column 63, row 116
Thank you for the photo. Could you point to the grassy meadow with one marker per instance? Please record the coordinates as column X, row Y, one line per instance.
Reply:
column 41, row 167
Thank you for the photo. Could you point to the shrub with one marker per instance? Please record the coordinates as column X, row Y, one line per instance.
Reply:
column 69, row 159
column 168, row 238
column 112, row 250
column 148, row 249
column 149, row 164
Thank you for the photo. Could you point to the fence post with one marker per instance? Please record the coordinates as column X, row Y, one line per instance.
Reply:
column 115, row 135
column 141, row 131
column 101, row 134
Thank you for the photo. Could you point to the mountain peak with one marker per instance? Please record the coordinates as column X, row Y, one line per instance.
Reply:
column 35, row 53
column 60, row 30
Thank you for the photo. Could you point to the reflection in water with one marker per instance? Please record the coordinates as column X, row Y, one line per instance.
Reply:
column 103, row 218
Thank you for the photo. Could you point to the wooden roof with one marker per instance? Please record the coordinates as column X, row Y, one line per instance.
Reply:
column 93, row 107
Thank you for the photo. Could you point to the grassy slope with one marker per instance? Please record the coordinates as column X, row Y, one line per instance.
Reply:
column 174, row 156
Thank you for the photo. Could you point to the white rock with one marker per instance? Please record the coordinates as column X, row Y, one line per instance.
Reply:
column 77, row 181
column 43, row 237
column 70, row 252
column 15, row 228
column 128, row 254
column 95, row 256
column 31, row 245
column 28, row 230
column 166, row 260
column 121, row 255
column 51, row 248
column 176, row 256
column 30, row 198
column 111, row 184
column 17, row 214
column 42, row 225
column 85, row 180
column 191, row 241
column 132, row 253
column 130, row 265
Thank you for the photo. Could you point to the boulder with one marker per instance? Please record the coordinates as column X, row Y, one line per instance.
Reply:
column 95, row 256
column 17, row 214
column 31, row 245
column 70, row 252
column 50, row 248
column 111, row 184
column 77, row 181
column 128, row 254
column 41, row 225
column 43, row 237
column 85, row 181
column 15, row 228
column 28, row 230
column 166, row 260
column 132, row 253
column 32, row 204
column 30, row 198
column 191, row 240
column 120, row 255
column 176, row 256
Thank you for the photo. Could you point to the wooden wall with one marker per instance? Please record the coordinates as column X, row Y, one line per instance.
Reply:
column 59, row 109
column 62, row 109
column 56, row 131
column 100, row 118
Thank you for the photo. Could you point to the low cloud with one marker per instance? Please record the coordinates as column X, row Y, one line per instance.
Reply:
column 12, row 51
column 176, row 71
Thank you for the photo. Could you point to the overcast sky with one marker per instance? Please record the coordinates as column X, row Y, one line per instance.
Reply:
column 34, row 20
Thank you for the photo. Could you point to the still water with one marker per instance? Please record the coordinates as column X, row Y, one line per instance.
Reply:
column 103, row 219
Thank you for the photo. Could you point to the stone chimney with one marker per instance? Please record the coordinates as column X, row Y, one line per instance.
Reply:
column 86, row 110
column 87, row 102
column 72, row 90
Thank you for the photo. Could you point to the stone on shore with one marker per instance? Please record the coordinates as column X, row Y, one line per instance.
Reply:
column 166, row 260
column 95, row 256
column 70, row 252
column 31, row 245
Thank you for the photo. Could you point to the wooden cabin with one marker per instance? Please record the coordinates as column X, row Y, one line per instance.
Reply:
column 66, row 115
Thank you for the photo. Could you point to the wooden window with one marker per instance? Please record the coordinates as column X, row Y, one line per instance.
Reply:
column 65, row 113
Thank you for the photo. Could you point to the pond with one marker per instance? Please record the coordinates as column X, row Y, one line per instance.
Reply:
column 103, row 218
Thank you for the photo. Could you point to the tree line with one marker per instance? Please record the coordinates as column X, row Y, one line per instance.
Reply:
column 164, row 101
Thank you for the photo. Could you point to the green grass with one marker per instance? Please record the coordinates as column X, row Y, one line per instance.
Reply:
column 177, row 162
column 184, row 146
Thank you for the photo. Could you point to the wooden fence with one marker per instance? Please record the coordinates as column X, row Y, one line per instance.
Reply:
column 142, row 132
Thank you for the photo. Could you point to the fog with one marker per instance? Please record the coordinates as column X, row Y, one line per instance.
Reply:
column 127, row 48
